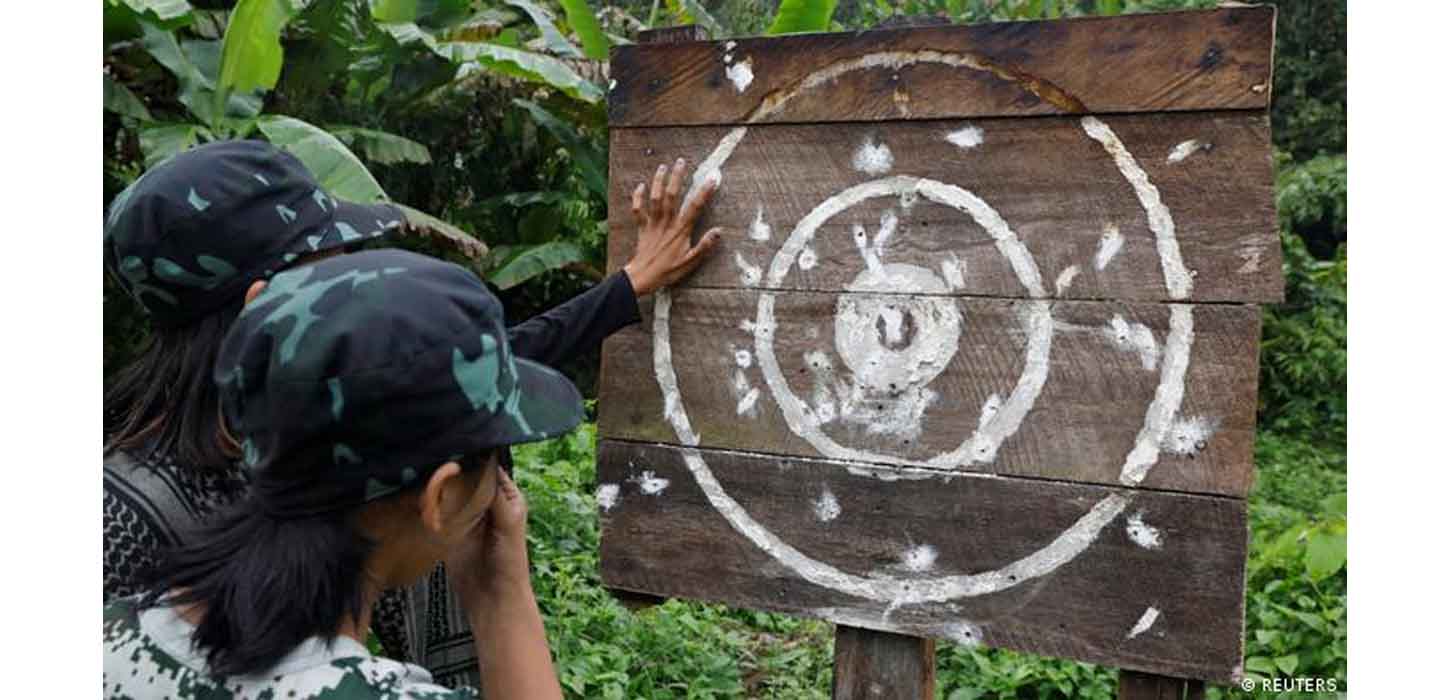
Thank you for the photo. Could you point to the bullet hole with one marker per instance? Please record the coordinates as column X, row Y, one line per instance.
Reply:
column 1212, row 56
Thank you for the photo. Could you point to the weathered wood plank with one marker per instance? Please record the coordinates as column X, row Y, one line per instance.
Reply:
column 677, row 33
column 1084, row 225
column 1179, row 61
column 872, row 665
column 1143, row 580
column 1103, row 365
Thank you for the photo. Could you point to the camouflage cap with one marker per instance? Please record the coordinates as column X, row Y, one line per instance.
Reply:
column 192, row 233
column 361, row 373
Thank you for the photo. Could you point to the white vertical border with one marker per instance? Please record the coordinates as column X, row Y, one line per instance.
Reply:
column 50, row 366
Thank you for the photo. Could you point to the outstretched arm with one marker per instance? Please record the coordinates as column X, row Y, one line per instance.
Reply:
column 663, row 255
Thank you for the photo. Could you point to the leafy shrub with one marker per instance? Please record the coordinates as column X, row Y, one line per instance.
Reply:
column 677, row 649
column 971, row 673
column 1312, row 197
column 1304, row 353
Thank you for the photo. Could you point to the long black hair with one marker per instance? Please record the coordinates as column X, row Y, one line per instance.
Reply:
column 282, row 565
column 166, row 403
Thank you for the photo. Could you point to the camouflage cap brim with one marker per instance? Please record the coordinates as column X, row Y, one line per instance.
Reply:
column 348, row 224
column 543, row 404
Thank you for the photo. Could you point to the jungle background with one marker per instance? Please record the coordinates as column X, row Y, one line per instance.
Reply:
column 489, row 117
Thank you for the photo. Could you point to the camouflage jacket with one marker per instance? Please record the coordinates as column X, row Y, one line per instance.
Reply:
column 148, row 654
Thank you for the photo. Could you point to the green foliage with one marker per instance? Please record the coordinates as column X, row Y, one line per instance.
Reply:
column 1296, row 607
column 676, row 650
column 176, row 79
column 527, row 65
column 973, row 673
column 802, row 16
column 119, row 99
column 427, row 13
column 586, row 27
column 381, row 146
column 584, row 148
column 1312, row 199
column 1304, row 353
column 339, row 171
column 123, row 18
column 543, row 19
column 251, row 48
column 161, row 141
column 694, row 12
column 1309, row 117
column 187, row 61
column 519, row 264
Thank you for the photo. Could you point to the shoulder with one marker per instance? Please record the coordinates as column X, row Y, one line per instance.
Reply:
column 135, row 665
column 376, row 678
column 133, row 530
column 173, row 498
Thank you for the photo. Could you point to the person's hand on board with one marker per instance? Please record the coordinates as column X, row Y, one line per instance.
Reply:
column 663, row 254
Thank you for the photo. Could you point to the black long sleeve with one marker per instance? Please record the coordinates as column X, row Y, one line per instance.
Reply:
column 578, row 325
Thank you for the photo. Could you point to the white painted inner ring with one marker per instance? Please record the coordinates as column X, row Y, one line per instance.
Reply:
column 980, row 446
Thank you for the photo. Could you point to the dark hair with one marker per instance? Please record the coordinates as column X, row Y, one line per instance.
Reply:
column 166, row 402
column 282, row 565
column 266, row 583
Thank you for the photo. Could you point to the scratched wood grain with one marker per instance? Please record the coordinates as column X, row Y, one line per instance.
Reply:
column 1135, row 685
column 673, row 542
column 1179, row 61
column 1081, row 427
column 1056, row 187
column 873, row 665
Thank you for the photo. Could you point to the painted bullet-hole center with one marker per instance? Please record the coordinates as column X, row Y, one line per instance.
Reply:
column 892, row 343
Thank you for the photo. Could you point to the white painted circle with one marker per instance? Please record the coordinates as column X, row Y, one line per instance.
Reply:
column 1073, row 540
column 982, row 444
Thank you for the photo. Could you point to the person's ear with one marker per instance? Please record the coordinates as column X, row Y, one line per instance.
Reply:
column 436, row 502
column 254, row 291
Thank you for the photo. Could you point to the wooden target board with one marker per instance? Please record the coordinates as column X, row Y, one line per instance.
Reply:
column 977, row 358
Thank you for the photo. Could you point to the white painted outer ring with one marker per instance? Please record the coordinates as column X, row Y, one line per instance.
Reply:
column 1072, row 541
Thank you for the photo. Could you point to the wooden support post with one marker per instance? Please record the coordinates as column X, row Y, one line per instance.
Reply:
column 883, row 666
column 634, row 600
column 1133, row 685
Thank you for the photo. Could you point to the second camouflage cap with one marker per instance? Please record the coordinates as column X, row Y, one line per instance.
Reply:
column 193, row 232
column 362, row 372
